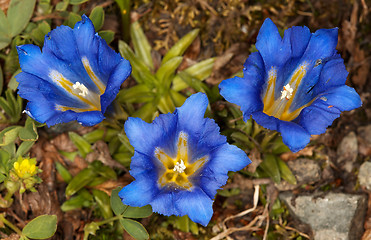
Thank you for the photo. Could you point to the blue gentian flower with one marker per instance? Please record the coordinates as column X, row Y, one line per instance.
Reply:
column 75, row 77
column 293, row 85
column 180, row 161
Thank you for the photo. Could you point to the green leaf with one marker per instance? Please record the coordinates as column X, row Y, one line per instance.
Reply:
column 116, row 204
column 166, row 104
column 145, row 112
column 62, row 6
column 77, row 2
column 42, row 227
column 107, row 35
column 1, row 80
column 38, row 34
column 178, row 98
column 138, row 212
column 103, row 201
column 200, row 71
column 2, row 177
column 13, row 84
column 167, row 70
column 135, row 229
column 19, row 14
column 24, row 148
column 83, row 178
column 65, row 174
column 82, row 145
column 72, row 19
column 179, row 48
column 141, row 45
column 270, row 167
column 97, row 17
column 9, row 135
column 285, row 171
column 138, row 94
column 77, row 202
column 29, row 132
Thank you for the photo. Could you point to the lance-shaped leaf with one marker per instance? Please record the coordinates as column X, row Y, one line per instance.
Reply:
column 141, row 45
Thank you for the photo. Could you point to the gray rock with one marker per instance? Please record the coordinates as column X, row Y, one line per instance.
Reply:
column 364, row 175
column 334, row 216
column 306, row 171
column 347, row 152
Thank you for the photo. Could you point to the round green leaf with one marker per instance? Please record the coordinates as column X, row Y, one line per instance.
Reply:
column 138, row 212
column 97, row 17
column 117, row 206
column 42, row 227
column 135, row 229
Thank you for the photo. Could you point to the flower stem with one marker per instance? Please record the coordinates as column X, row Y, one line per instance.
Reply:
column 10, row 225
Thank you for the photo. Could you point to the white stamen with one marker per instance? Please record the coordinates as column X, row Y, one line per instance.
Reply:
column 287, row 92
column 82, row 88
column 179, row 167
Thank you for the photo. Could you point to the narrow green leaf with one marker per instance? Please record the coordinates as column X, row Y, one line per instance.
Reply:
column 141, row 45
column 179, row 48
column 116, row 204
column 166, row 104
column 107, row 35
column 178, row 98
column 77, row 2
column 1, row 80
column 2, row 177
column 285, row 171
column 135, row 229
column 103, row 201
column 200, row 71
column 97, row 17
column 19, row 14
column 270, row 167
column 82, row 145
column 83, row 178
column 42, row 227
column 145, row 112
column 65, row 174
column 137, row 94
column 167, row 70
column 83, row 199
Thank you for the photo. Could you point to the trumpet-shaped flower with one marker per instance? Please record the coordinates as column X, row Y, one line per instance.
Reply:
column 294, row 85
column 180, row 161
column 75, row 77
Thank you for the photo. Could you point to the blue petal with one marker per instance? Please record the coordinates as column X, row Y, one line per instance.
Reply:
column 344, row 98
column 333, row 74
column 90, row 118
column 145, row 137
column 163, row 203
column 196, row 204
column 107, row 59
column 40, row 110
column 141, row 164
column 240, row 91
column 191, row 114
column 317, row 117
column 293, row 135
column 254, row 70
column 237, row 159
column 210, row 182
column 138, row 193
column 273, row 50
column 299, row 38
column 117, row 77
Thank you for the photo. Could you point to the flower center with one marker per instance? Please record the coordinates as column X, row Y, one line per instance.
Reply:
column 280, row 107
column 83, row 90
column 179, row 167
column 177, row 171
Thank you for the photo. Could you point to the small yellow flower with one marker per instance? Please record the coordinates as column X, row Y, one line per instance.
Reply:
column 25, row 168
